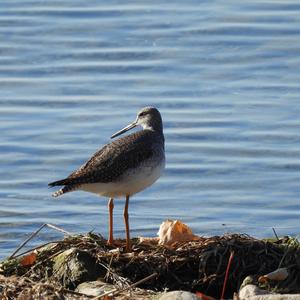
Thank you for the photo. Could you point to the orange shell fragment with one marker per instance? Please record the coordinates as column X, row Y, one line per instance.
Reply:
column 28, row 260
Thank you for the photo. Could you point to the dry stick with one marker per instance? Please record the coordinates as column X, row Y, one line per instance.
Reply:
column 115, row 276
column 108, row 270
column 27, row 240
column 135, row 284
column 275, row 233
column 38, row 247
column 115, row 291
column 34, row 234
column 283, row 257
column 58, row 229
column 227, row 273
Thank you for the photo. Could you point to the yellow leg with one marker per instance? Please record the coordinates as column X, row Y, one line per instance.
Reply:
column 110, row 208
column 128, row 245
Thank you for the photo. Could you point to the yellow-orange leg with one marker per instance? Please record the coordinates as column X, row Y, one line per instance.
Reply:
column 128, row 245
column 110, row 208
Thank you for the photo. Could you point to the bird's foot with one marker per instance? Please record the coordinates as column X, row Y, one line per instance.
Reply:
column 110, row 242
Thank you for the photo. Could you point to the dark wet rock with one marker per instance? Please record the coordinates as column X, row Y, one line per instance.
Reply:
column 75, row 266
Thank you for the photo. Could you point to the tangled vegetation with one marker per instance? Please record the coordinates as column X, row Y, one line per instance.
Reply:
column 194, row 266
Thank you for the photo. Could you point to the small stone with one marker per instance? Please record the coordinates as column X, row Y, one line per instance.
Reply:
column 94, row 288
column 179, row 295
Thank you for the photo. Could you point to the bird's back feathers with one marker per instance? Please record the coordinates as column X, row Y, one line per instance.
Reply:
column 110, row 162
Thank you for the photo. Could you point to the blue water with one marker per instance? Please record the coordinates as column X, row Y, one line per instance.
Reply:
column 224, row 74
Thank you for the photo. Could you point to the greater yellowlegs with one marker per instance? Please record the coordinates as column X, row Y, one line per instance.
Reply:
column 123, row 167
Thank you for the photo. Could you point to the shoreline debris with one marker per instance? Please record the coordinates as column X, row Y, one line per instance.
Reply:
column 199, row 265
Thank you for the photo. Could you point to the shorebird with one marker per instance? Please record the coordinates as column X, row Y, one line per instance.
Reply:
column 123, row 167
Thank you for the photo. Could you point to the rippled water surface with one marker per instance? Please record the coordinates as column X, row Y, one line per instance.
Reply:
column 224, row 74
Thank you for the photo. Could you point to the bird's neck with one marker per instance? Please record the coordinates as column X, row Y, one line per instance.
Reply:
column 157, row 127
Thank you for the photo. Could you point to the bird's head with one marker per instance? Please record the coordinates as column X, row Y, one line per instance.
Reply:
column 148, row 118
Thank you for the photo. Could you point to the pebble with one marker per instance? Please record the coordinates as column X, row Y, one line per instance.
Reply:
column 179, row 295
column 94, row 288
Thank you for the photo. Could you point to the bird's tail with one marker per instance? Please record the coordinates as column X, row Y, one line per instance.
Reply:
column 66, row 189
column 59, row 182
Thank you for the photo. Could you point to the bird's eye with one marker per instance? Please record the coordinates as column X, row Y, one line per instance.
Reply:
column 142, row 114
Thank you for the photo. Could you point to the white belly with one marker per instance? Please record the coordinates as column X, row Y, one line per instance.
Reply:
column 132, row 182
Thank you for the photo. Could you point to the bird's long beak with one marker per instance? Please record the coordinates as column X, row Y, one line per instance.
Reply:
column 130, row 126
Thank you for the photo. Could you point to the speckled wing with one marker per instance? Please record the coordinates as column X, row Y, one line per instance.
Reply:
column 113, row 160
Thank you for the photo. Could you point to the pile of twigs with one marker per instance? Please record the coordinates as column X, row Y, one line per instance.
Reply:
column 194, row 266
column 201, row 265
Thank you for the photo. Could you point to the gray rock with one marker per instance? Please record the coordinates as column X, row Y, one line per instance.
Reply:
column 94, row 288
column 179, row 295
column 274, row 297
column 252, row 292
column 73, row 267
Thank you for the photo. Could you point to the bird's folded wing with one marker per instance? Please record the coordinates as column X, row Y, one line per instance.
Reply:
column 112, row 161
